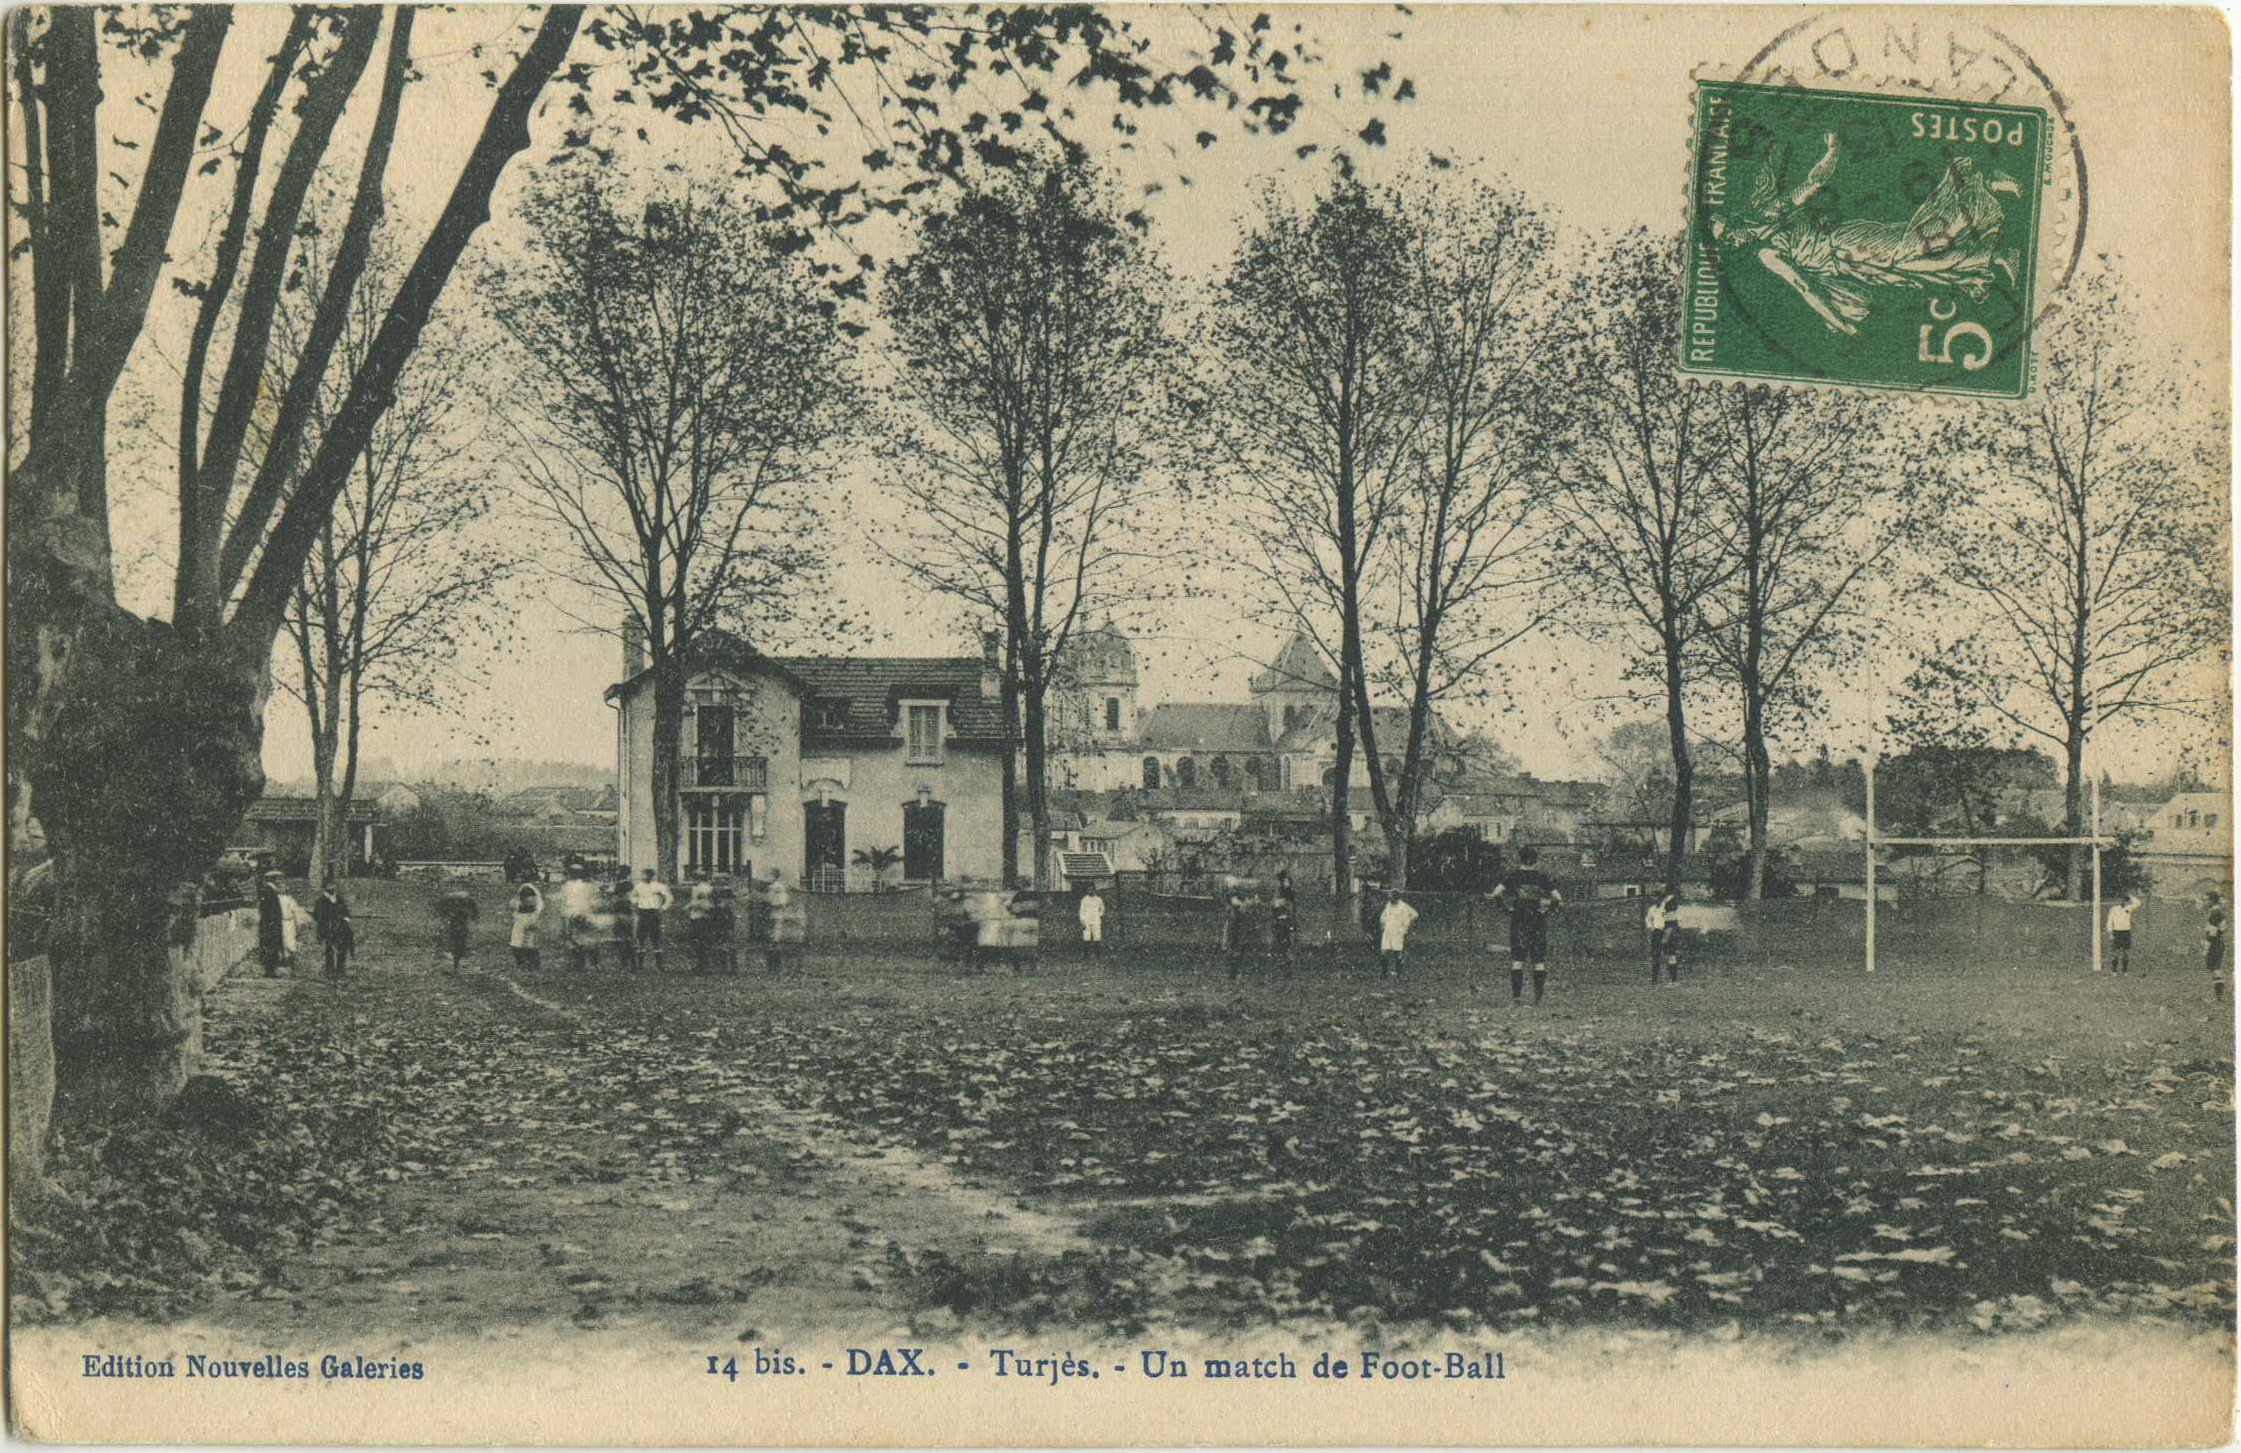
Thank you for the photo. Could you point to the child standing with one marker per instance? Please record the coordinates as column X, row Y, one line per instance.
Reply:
column 529, row 905
column 1093, row 920
column 1393, row 925
column 2120, row 936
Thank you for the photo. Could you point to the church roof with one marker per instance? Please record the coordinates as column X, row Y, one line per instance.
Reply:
column 1298, row 664
column 1208, row 726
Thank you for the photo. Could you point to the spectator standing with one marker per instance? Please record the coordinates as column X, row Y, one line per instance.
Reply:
column 330, row 915
column 649, row 898
column 1234, row 928
column 272, row 924
column 579, row 901
column 1283, row 919
column 1393, row 924
column 529, row 906
column 2213, row 945
column 700, row 922
column 1093, row 920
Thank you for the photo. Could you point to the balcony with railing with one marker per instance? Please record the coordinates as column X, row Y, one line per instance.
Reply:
column 723, row 774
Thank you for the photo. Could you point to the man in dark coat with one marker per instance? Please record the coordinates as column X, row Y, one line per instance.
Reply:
column 272, row 933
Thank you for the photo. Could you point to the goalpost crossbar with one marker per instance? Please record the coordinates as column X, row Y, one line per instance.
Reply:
column 2096, row 840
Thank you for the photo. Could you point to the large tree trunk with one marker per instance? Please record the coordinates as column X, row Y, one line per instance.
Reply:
column 669, row 734
column 1684, row 768
column 1342, row 846
column 1758, row 780
column 150, row 717
column 1038, row 793
column 2073, row 810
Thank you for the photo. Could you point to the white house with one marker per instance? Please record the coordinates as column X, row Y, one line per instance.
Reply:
column 797, row 763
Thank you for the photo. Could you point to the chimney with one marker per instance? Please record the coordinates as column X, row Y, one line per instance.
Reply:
column 634, row 645
column 991, row 665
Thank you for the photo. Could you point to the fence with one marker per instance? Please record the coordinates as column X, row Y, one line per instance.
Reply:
column 1806, row 933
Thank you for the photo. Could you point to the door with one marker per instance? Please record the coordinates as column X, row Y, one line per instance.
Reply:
column 922, row 840
column 824, row 846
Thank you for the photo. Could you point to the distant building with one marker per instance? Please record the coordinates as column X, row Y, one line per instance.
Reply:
column 288, row 827
column 796, row 763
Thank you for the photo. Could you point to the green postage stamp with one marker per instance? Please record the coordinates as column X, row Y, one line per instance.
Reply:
column 1878, row 241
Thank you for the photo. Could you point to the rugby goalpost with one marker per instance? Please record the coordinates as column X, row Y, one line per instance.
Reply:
column 2096, row 840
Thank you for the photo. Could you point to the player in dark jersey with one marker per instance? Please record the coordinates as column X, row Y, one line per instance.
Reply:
column 1530, row 897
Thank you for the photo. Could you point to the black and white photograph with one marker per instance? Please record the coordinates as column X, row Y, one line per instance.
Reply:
column 1104, row 725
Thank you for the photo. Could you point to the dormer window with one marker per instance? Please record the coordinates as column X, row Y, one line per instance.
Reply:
column 829, row 714
column 923, row 725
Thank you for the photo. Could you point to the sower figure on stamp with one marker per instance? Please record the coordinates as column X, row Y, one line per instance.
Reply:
column 1952, row 240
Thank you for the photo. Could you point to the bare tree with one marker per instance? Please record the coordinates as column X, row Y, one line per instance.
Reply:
column 108, row 712
column 2079, row 556
column 1638, row 497
column 681, row 374
column 92, row 230
column 1312, row 401
column 400, row 578
column 1032, row 360
column 1465, row 574
column 1810, row 505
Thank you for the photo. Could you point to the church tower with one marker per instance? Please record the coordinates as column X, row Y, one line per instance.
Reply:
column 1295, row 687
column 1103, row 666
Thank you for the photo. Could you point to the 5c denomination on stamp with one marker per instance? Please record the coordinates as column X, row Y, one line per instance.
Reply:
column 1851, row 237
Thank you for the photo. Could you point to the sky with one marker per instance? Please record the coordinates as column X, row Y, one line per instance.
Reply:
column 1584, row 108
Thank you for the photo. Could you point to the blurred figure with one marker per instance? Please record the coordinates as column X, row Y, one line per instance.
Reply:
column 272, row 925
column 579, row 901
column 1234, row 928
column 457, row 909
column 1283, row 919
column 2213, row 945
column 330, row 915
column 700, row 922
column 529, row 906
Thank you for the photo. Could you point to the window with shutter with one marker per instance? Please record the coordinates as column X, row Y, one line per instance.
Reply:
column 925, row 734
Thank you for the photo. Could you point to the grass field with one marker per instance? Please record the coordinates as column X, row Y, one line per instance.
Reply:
column 874, row 1137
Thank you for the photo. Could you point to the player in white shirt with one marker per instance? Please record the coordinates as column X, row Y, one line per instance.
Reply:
column 2120, row 935
column 1393, row 925
column 1093, row 920
column 1663, row 925
column 649, row 896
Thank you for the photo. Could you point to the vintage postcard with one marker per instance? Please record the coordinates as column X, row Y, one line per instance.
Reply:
column 1119, row 725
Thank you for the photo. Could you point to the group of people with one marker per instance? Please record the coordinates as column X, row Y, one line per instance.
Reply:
column 277, row 916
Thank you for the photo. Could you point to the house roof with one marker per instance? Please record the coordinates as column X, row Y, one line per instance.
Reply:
column 1192, row 799
column 283, row 808
column 872, row 686
column 869, row 687
column 1298, row 665
column 1193, row 726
